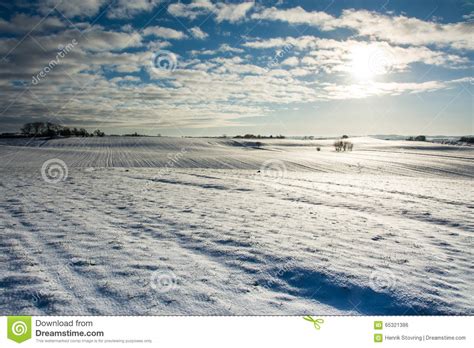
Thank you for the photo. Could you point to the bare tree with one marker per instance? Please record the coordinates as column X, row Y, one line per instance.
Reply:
column 341, row 145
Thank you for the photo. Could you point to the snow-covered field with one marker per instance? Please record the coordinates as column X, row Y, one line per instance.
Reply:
column 151, row 226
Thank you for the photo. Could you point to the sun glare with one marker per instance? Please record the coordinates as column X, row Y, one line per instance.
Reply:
column 360, row 64
column 367, row 62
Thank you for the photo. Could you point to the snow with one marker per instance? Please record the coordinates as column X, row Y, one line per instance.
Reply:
column 153, row 226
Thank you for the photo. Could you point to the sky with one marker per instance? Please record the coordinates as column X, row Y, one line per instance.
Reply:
column 206, row 67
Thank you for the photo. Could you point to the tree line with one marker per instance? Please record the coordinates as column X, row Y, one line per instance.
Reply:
column 48, row 129
column 258, row 136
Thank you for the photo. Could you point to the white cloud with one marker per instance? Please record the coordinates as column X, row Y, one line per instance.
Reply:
column 410, row 31
column 22, row 23
column 232, row 12
column 89, row 8
column 205, row 93
column 228, row 48
column 212, row 91
column 126, row 79
column 292, row 61
column 396, row 29
column 198, row 33
column 298, row 72
column 336, row 56
column 193, row 10
column 223, row 48
column 128, row 9
column 302, row 42
column 166, row 33
column 370, row 89
column 469, row 17
column 297, row 15
column 222, row 11
column 81, row 8
column 97, row 39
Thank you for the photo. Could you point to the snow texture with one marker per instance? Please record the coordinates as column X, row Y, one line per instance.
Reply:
column 154, row 226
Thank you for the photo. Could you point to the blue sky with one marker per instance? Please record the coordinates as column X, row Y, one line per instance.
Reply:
column 204, row 67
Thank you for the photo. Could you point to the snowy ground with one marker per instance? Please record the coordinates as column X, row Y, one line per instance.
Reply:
column 217, row 226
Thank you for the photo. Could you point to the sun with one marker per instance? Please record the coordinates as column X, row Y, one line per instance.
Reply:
column 360, row 67
column 369, row 62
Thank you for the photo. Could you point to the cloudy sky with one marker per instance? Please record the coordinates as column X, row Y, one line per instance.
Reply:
column 207, row 67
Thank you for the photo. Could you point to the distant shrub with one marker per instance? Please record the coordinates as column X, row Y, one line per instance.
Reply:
column 469, row 140
column 345, row 136
column 417, row 138
column 341, row 145
column 318, row 149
